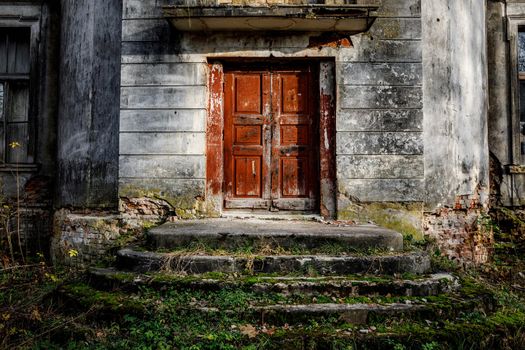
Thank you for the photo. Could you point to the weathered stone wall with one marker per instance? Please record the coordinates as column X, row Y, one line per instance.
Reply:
column 164, row 101
column 88, row 122
column 88, row 237
column 379, row 119
column 455, row 100
column 412, row 145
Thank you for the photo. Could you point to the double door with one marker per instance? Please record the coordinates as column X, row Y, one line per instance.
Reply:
column 271, row 139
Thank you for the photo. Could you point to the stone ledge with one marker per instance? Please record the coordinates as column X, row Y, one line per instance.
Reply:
column 353, row 18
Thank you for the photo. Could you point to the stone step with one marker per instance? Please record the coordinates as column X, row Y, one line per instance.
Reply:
column 336, row 286
column 264, row 309
column 353, row 311
column 359, row 313
column 324, row 265
column 256, row 235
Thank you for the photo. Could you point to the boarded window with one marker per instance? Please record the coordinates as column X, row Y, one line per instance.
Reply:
column 14, row 51
column 14, row 95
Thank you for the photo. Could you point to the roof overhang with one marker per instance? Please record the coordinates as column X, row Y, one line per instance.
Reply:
column 299, row 18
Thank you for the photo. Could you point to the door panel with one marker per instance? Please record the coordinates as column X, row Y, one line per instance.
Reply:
column 246, row 109
column 248, row 94
column 247, row 175
column 270, row 135
column 294, row 177
column 294, row 150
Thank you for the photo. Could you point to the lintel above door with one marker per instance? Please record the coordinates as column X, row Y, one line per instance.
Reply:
column 348, row 18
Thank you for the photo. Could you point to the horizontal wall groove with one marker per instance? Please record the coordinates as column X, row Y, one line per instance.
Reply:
column 162, row 154
column 382, row 178
column 407, row 130
column 162, row 132
column 165, row 109
column 380, row 109
column 155, row 63
column 385, row 85
column 380, row 62
column 380, row 154
column 162, row 85
column 163, row 178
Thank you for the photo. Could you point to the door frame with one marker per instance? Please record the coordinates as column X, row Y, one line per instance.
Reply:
column 327, row 140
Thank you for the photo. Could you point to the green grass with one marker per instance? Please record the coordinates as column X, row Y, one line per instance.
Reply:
column 264, row 247
column 41, row 308
column 164, row 319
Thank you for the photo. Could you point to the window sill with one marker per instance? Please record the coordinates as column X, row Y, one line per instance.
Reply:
column 19, row 167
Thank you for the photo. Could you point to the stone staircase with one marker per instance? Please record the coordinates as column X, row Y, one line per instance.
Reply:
column 328, row 281
column 277, row 247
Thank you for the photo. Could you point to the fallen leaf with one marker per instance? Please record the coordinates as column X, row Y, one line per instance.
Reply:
column 248, row 330
column 268, row 331
column 35, row 315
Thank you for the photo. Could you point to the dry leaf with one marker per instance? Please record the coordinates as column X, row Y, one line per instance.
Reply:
column 249, row 330
column 35, row 315
column 268, row 331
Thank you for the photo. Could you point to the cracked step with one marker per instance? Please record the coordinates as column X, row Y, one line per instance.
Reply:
column 387, row 264
column 269, row 312
column 336, row 286
column 237, row 234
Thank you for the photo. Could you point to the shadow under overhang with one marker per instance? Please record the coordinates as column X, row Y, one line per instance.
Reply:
column 352, row 19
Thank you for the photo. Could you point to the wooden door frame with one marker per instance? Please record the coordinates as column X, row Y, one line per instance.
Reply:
column 215, row 131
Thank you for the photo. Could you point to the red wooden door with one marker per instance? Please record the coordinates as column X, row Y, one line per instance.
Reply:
column 270, row 140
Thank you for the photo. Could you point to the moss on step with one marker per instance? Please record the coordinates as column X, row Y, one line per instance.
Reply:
column 404, row 218
column 114, row 301
column 178, row 280
column 236, row 297
column 262, row 247
column 161, row 319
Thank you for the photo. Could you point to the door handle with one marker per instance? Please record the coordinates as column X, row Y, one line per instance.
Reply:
column 253, row 168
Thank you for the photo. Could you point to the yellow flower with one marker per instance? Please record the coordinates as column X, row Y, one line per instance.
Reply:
column 72, row 253
column 52, row 277
column 14, row 144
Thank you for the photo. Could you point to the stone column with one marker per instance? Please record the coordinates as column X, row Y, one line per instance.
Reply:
column 88, row 120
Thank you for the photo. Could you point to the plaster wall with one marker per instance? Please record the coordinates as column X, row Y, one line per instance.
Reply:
column 164, row 101
column 88, row 122
column 455, row 104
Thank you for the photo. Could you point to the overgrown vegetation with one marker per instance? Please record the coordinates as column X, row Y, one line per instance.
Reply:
column 42, row 308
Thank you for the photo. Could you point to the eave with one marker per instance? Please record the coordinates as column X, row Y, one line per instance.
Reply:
column 297, row 18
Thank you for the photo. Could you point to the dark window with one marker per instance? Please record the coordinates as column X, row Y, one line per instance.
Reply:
column 14, row 95
column 521, row 50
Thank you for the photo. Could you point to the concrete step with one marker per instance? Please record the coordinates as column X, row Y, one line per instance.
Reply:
column 211, row 306
column 359, row 313
column 283, row 310
column 333, row 287
column 323, row 265
column 256, row 235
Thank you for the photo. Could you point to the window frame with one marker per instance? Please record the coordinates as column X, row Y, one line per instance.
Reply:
column 33, row 24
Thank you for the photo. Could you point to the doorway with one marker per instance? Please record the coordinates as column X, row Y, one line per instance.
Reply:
column 271, row 139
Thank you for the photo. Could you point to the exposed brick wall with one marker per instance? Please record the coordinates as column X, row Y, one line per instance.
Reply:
column 85, row 238
column 96, row 235
column 460, row 234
